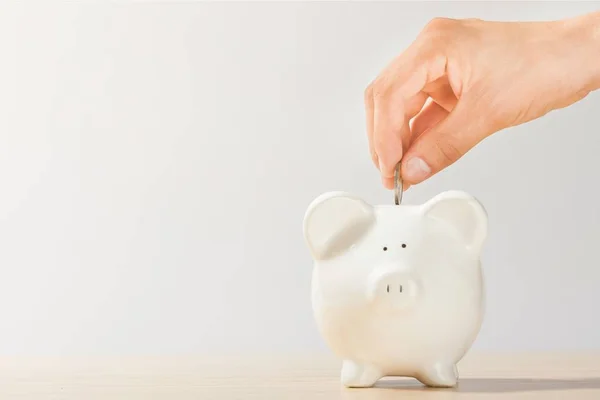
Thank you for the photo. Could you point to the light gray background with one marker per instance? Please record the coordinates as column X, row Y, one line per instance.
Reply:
column 156, row 161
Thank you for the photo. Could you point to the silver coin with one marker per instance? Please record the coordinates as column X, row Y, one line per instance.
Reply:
column 397, row 186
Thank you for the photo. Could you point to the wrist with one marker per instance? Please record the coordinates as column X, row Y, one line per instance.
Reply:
column 583, row 34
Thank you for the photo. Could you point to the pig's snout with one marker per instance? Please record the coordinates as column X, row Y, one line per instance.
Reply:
column 392, row 289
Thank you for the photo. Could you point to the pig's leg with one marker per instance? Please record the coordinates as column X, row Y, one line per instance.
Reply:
column 358, row 375
column 439, row 375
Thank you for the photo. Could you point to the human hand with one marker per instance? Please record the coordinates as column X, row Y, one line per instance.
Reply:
column 462, row 80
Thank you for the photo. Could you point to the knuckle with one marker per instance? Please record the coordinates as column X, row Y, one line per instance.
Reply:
column 437, row 32
column 374, row 156
column 438, row 24
column 379, row 144
column 381, row 87
column 448, row 150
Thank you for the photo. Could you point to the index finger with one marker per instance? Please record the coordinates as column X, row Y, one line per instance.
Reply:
column 398, row 97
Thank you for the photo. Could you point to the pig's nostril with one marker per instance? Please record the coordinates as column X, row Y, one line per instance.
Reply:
column 400, row 288
column 388, row 288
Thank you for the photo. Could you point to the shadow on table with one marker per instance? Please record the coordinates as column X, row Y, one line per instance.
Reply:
column 498, row 385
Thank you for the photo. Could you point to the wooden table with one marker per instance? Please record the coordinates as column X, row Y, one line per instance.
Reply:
column 503, row 376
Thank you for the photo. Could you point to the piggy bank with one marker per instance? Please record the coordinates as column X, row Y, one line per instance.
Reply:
column 397, row 290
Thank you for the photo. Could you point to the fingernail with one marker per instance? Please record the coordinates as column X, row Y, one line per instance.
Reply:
column 415, row 170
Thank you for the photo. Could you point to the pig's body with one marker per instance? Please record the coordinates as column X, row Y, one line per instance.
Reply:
column 398, row 290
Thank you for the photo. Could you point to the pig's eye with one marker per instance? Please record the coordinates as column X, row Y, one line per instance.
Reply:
column 385, row 249
column 403, row 245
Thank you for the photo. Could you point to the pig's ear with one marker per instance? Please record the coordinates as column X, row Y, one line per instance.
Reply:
column 334, row 221
column 461, row 212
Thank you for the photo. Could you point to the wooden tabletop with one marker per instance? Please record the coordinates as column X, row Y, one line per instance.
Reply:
column 505, row 376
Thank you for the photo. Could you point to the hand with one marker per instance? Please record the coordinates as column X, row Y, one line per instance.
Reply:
column 462, row 80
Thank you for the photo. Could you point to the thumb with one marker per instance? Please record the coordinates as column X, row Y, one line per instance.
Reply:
column 444, row 143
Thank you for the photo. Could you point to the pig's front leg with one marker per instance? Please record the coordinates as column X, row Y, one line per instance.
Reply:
column 358, row 375
column 439, row 375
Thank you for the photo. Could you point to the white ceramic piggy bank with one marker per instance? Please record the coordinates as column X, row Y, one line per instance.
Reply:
column 397, row 290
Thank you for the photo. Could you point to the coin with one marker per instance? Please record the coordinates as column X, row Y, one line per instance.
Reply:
column 397, row 185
